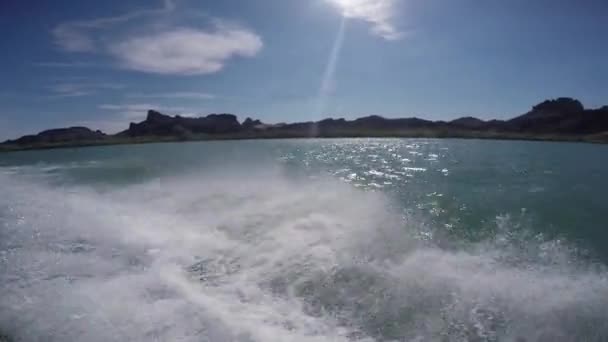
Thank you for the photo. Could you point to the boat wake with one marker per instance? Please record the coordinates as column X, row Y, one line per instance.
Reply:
column 260, row 256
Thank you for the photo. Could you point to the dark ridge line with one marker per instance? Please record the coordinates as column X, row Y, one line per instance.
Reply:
column 561, row 119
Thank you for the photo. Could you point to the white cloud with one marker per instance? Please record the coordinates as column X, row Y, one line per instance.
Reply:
column 158, row 47
column 186, row 51
column 176, row 95
column 379, row 13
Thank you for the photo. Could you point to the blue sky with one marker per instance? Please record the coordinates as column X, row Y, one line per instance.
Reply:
column 104, row 63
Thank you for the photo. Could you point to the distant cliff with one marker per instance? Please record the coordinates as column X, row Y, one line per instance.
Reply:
column 561, row 116
column 558, row 119
column 157, row 124
column 58, row 136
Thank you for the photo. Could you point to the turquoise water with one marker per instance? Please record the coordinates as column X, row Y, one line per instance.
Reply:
column 306, row 240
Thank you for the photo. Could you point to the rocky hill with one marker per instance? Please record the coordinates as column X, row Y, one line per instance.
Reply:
column 157, row 124
column 558, row 119
column 561, row 116
column 59, row 135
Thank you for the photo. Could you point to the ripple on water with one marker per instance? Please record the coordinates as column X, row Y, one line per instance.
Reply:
column 415, row 169
column 375, row 173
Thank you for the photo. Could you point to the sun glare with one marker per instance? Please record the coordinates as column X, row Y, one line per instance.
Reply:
column 345, row 6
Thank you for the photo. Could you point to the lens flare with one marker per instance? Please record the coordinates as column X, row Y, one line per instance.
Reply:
column 328, row 80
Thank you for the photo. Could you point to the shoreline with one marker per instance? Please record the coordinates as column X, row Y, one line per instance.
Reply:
column 561, row 119
column 599, row 139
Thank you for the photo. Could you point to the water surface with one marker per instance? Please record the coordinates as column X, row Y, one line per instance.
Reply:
column 306, row 240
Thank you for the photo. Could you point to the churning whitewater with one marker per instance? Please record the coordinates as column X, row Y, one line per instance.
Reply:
column 264, row 254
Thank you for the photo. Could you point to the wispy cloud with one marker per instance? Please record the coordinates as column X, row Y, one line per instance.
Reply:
column 59, row 90
column 160, row 49
column 108, row 126
column 379, row 13
column 78, row 36
column 175, row 95
column 138, row 111
column 118, row 116
column 65, row 64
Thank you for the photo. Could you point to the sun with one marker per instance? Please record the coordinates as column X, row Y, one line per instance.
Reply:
column 347, row 7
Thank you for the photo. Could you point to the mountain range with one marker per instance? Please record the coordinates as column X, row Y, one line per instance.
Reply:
column 558, row 119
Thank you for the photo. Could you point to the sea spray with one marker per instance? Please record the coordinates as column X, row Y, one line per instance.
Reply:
column 265, row 257
column 226, row 242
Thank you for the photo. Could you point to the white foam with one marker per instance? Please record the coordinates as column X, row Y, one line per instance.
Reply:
column 415, row 169
column 262, row 257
